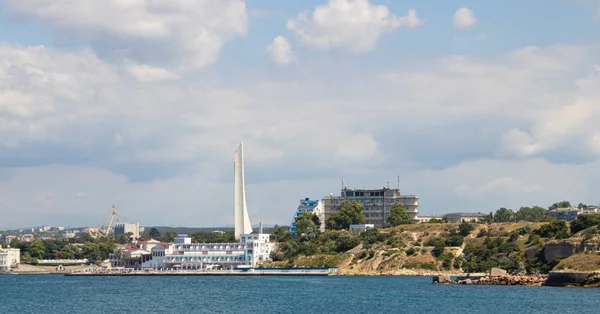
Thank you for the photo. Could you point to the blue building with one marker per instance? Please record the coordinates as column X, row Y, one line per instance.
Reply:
column 308, row 206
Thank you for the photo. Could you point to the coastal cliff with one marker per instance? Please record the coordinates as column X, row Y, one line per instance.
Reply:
column 443, row 249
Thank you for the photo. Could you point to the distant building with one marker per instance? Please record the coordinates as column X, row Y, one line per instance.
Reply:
column 361, row 227
column 468, row 217
column 571, row 213
column 27, row 237
column 9, row 258
column 377, row 203
column 426, row 218
column 309, row 206
column 9, row 238
column 124, row 228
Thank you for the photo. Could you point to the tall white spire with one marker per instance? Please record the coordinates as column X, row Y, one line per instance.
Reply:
column 242, row 221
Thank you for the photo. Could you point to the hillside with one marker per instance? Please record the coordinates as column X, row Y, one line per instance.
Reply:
column 426, row 249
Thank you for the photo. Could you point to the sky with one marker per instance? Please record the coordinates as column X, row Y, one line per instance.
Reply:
column 474, row 105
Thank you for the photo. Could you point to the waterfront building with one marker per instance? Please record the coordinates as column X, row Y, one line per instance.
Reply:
column 468, row 217
column 9, row 258
column 242, row 220
column 125, row 228
column 309, row 206
column 251, row 250
column 377, row 203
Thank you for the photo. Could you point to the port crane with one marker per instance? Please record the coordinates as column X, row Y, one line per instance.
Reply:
column 102, row 230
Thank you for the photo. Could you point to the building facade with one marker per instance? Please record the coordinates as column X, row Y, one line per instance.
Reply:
column 124, row 228
column 571, row 213
column 462, row 217
column 253, row 249
column 377, row 203
column 309, row 206
column 9, row 258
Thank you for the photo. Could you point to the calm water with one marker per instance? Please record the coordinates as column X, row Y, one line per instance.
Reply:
column 59, row 294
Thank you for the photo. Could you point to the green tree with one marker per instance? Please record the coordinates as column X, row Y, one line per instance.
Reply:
column 304, row 222
column 554, row 228
column 533, row 214
column 67, row 252
column 281, row 234
column 398, row 216
column 583, row 222
column 154, row 233
column 563, row 204
column 582, row 206
column 348, row 214
column 503, row 215
column 465, row 228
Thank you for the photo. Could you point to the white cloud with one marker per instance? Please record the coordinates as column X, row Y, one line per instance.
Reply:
column 355, row 25
column 464, row 18
column 281, row 51
column 186, row 33
column 147, row 73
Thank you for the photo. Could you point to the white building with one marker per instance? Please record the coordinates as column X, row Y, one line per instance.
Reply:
column 252, row 249
column 124, row 228
column 309, row 206
column 462, row 217
column 426, row 218
column 361, row 227
column 9, row 258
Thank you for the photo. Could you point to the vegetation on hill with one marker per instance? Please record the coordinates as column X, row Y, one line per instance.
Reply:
column 512, row 240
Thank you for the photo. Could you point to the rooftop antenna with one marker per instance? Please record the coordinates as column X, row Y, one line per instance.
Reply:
column 342, row 183
column 260, row 227
column 398, row 176
column 388, row 183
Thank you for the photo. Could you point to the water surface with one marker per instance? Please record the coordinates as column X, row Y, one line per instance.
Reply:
column 60, row 294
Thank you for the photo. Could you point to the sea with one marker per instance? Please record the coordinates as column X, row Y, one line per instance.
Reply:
column 204, row 294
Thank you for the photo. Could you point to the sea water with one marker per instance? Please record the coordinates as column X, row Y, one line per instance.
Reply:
column 60, row 294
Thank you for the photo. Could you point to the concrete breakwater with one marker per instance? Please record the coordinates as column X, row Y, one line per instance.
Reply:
column 535, row 280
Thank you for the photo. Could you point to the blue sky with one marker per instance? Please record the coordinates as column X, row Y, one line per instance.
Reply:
column 475, row 104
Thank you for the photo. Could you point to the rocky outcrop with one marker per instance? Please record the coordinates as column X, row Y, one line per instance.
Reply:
column 441, row 279
column 562, row 249
column 563, row 279
column 532, row 280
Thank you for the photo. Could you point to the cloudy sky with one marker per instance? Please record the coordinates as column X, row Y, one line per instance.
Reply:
column 141, row 103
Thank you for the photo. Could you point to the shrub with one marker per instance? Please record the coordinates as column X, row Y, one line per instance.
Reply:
column 411, row 251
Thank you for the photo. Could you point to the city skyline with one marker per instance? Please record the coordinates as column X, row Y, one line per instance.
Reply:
column 475, row 106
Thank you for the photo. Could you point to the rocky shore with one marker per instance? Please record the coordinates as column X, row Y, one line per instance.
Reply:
column 501, row 278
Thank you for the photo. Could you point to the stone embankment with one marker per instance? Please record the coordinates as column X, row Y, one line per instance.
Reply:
column 573, row 279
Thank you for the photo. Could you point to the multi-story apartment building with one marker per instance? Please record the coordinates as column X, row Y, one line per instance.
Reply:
column 308, row 206
column 125, row 228
column 377, row 203
column 9, row 258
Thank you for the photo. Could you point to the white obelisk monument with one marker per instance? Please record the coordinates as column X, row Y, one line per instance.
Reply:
column 242, row 221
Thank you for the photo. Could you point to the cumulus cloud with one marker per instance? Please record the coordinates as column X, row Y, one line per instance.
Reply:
column 464, row 18
column 355, row 25
column 281, row 51
column 147, row 73
column 185, row 34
